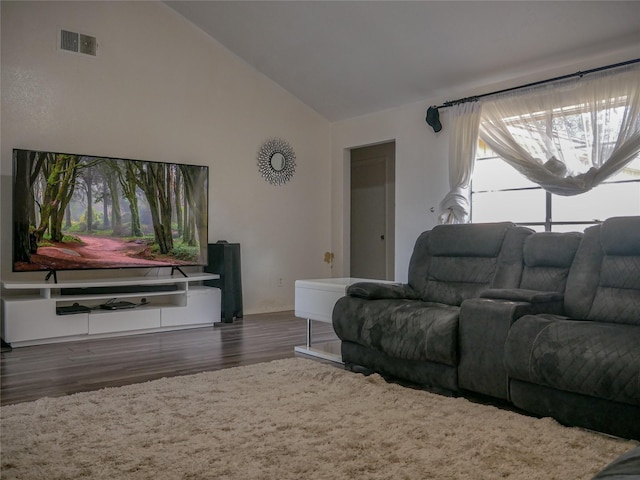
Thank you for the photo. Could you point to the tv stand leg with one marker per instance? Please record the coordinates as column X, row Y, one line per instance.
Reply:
column 55, row 276
column 180, row 270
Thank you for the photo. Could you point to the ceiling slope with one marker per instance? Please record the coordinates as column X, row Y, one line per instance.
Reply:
column 349, row 58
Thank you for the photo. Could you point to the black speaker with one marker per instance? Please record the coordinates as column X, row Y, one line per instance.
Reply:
column 224, row 259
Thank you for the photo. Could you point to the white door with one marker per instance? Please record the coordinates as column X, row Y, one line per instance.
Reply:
column 372, row 211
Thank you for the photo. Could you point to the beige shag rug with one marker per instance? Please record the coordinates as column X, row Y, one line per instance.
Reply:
column 288, row 419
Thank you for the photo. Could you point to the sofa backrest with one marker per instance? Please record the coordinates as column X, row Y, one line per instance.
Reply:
column 452, row 263
column 547, row 259
column 604, row 280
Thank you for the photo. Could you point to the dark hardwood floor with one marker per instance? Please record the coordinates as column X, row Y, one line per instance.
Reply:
column 29, row 373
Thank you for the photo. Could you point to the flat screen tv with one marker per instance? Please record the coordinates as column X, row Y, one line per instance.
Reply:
column 75, row 212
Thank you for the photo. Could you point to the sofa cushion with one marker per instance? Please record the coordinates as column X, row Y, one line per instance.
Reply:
column 454, row 262
column 547, row 259
column 604, row 280
column 419, row 263
column 454, row 279
column 511, row 259
column 589, row 358
column 621, row 236
column 468, row 240
column 404, row 329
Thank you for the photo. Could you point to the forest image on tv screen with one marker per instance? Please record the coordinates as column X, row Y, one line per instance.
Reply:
column 86, row 212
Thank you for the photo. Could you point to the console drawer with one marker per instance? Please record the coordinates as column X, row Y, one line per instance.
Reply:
column 123, row 320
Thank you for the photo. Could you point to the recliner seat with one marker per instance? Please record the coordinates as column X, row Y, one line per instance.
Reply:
column 411, row 330
column 583, row 367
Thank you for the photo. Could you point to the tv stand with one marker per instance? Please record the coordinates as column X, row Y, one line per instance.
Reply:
column 29, row 308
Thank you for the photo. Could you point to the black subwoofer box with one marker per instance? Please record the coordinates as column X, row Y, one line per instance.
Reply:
column 224, row 259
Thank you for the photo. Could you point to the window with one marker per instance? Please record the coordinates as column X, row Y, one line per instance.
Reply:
column 500, row 193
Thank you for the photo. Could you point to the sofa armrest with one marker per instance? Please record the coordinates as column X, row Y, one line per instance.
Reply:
column 522, row 295
column 379, row 291
column 483, row 329
column 482, row 332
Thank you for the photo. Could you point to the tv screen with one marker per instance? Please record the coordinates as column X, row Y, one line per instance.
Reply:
column 74, row 212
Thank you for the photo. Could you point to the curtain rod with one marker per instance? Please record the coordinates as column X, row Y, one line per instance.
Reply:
column 451, row 103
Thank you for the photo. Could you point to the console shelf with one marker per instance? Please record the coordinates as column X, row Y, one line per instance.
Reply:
column 29, row 308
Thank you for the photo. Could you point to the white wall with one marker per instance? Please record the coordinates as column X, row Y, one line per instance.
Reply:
column 422, row 172
column 160, row 89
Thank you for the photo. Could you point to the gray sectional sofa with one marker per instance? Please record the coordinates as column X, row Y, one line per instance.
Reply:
column 549, row 322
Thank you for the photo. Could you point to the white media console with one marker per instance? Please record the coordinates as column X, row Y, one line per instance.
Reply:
column 29, row 308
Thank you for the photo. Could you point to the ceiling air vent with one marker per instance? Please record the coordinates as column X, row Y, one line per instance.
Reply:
column 88, row 45
column 69, row 41
column 78, row 43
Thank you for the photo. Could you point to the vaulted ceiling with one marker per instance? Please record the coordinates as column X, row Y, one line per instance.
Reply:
column 349, row 58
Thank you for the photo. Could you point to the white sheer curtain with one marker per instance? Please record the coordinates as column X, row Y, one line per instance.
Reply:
column 463, row 140
column 567, row 137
